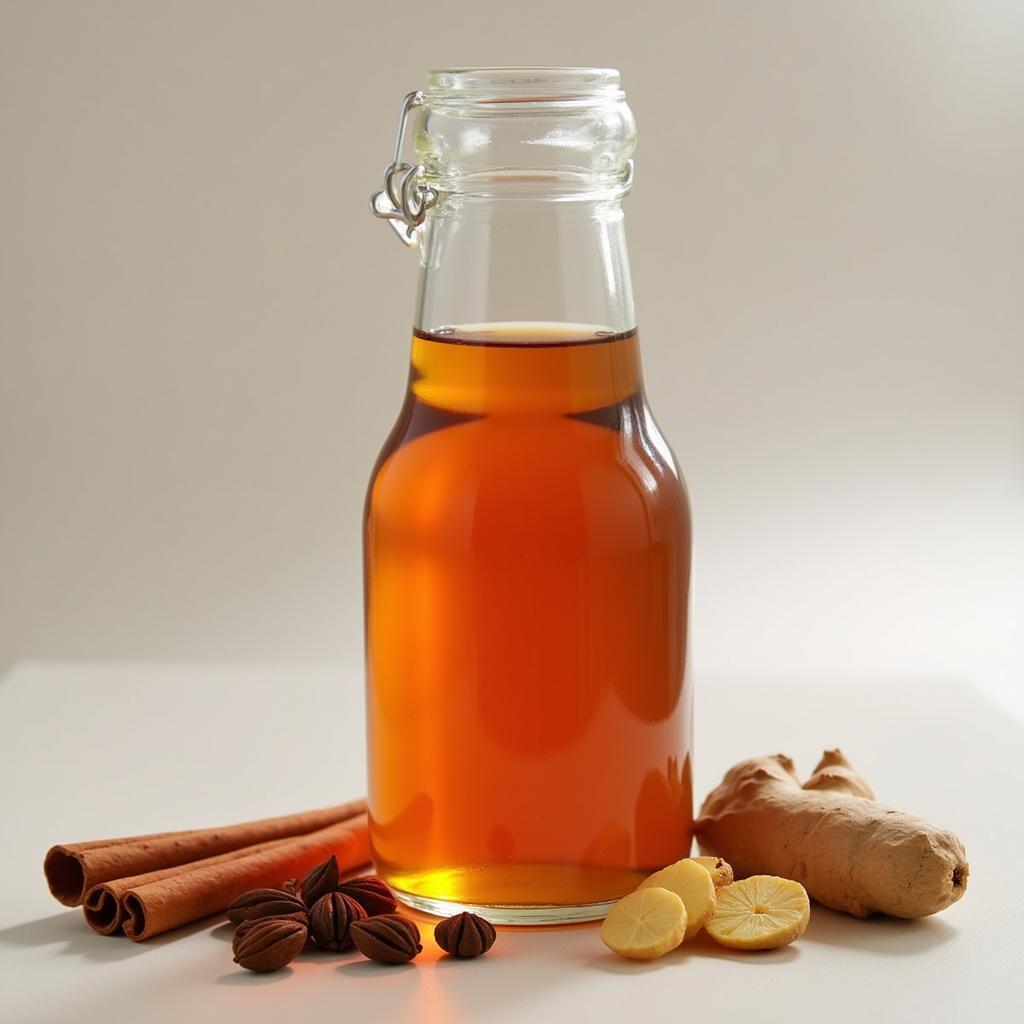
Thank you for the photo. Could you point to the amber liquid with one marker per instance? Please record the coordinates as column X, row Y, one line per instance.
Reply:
column 527, row 546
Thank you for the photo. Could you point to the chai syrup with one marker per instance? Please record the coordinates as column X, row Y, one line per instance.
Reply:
column 527, row 540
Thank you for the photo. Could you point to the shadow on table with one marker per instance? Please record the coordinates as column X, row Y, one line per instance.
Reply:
column 249, row 978
column 311, row 956
column 224, row 932
column 700, row 947
column 886, row 935
column 703, row 945
column 609, row 963
column 367, row 968
column 69, row 929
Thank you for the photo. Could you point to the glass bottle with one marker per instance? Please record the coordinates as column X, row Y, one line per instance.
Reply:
column 527, row 530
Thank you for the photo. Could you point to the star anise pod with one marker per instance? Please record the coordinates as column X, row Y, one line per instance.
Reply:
column 330, row 919
column 465, row 935
column 319, row 881
column 388, row 938
column 259, row 903
column 268, row 944
column 371, row 892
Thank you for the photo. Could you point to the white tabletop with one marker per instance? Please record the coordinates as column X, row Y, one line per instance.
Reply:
column 93, row 751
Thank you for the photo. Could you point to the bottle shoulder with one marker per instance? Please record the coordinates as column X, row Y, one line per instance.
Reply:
column 591, row 470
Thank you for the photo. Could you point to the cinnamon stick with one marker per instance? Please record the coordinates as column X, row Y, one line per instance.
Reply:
column 75, row 868
column 208, row 886
column 103, row 904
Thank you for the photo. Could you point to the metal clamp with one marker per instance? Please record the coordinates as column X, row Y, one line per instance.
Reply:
column 628, row 176
column 404, row 200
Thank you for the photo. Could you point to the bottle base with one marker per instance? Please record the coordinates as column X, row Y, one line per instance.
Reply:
column 509, row 914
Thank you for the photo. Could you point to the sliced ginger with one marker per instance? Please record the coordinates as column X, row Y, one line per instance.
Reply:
column 760, row 912
column 646, row 924
column 720, row 870
column 693, row 884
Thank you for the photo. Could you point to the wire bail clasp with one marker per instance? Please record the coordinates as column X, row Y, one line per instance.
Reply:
column 404, row 200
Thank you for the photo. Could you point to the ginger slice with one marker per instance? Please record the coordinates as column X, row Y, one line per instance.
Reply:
column 646, row 924
column 760, row 912
column 693, row 884
column 720, row 870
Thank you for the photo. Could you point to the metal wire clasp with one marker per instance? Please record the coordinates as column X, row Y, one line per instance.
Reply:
column 404, row 200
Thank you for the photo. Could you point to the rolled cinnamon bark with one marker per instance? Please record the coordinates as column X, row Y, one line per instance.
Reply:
column 208, row 886
column 73, row 869
column 103, row 904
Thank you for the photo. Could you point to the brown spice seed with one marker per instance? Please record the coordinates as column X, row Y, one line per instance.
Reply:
column 268, row 944
column 331, row 918
column 387, row 938
column 371, row 892
column 465, row 935
column 257, row 903
column 319, row 881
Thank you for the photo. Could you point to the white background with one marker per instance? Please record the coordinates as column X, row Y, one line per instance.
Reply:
column 204, row 332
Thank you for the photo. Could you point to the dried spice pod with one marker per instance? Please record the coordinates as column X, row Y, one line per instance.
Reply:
column 465, row 935
column 268, row 944
column 258, row 903
column 292, row 886
column 319, row 881
column 387, row 938
column 330, row 919
column 247, row 926
column 242, row 928
column 371, row 892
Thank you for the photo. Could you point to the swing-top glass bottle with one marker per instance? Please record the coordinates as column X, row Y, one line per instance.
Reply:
column 527, row 531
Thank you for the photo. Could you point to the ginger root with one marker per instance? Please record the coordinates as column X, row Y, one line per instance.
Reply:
column 836, row 773
column 849, row 852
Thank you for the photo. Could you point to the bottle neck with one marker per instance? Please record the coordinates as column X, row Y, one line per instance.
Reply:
column 525, row 369
column 487, row 260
